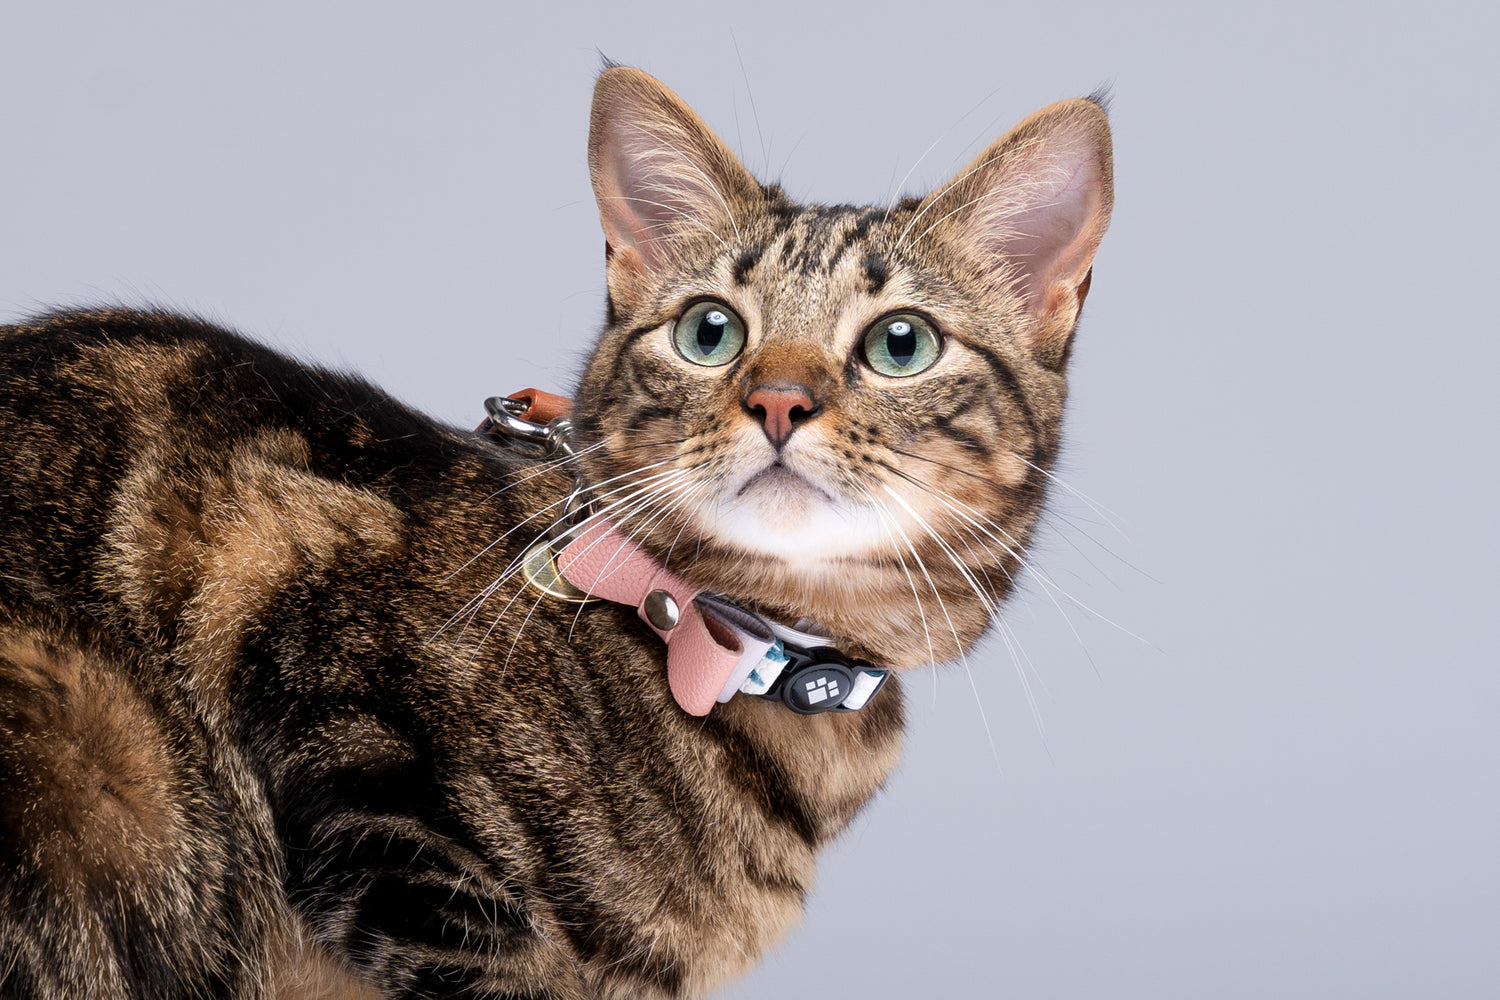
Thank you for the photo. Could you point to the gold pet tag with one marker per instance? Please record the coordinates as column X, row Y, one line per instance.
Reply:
column 539, row 564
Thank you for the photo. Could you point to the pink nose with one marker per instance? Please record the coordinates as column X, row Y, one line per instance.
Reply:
column 781, row 409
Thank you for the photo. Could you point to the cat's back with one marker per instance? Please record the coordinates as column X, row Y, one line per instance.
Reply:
column 97, row 382
column 134, row 437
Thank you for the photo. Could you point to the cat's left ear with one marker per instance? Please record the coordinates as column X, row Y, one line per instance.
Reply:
column 661, row 176
column 1033, row 208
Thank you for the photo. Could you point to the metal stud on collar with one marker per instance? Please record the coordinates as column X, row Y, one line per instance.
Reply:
column 661, row 610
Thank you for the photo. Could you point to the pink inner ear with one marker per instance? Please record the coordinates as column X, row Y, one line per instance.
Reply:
column 657, row 175
column 637, row 206
column 629, row 220
column 1044, row 240
column 1053, row 229
column 650, row 207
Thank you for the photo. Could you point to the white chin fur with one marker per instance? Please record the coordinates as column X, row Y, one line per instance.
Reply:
column 778, row 514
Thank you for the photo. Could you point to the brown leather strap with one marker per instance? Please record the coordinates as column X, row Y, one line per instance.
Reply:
column 542, row 407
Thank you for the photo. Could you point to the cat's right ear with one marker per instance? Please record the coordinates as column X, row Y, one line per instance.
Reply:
column 660, row 177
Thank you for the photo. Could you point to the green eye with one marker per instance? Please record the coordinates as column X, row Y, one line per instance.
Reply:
column 903, row 344
column 709, row 334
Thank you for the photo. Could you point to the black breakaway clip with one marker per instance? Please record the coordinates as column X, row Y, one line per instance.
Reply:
column 822, row 679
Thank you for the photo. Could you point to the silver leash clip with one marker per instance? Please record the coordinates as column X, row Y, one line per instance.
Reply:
column 555, row 438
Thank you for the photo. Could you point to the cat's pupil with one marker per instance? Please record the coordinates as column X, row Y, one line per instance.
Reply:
column 711, row 331
column 901, row 342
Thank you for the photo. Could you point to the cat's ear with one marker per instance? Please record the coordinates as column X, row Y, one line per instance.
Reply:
column 659, row 175
column 1034, row 206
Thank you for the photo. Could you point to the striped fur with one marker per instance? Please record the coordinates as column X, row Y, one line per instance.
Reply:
column 277, row 718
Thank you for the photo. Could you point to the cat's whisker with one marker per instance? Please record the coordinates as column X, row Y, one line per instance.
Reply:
column 514, row 565
column 512, row 572
column 630, row 503
column 1103, row 574
column 1049, row 586
column 942, row 465
column 681, row 490
column 1009, row 637
column 650, row 500
column 1015, row 643
column 948, row 498
column 476, row 603
column 885, row 522
column 552, row 506
column 991, row 608
column 1007, row 634
column 642, row 530
column 885, row 517
column 1009, row 544
column 557, row 464
column 989, row 605
column 983, row 523
column 962, row 657
column 1019, row 660
column 543, row 468
column 699, row 487
column 1111, row 518
column 975, row 564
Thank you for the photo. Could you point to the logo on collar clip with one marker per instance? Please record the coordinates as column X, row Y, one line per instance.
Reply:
column 817, row 689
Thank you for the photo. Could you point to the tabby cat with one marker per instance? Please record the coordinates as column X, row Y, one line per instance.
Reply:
column 281, row 717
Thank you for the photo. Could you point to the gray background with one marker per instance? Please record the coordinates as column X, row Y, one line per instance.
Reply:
column 1283, row 409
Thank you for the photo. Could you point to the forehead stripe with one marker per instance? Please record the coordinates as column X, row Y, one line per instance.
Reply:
column 746, row 261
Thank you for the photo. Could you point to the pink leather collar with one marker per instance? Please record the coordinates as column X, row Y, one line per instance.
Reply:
column 715, row 648
column 704, row 654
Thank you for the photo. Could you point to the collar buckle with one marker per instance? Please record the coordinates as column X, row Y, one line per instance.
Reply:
column 822, row 679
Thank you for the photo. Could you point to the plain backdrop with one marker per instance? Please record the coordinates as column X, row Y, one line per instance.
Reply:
column 1244, row 743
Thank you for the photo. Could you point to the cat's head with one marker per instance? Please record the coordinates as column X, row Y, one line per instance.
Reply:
column 842, row 413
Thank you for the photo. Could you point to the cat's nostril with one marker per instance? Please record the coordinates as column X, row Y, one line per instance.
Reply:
column 780, row 409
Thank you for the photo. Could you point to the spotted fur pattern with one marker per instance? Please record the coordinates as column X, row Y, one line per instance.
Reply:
column 278, row 719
